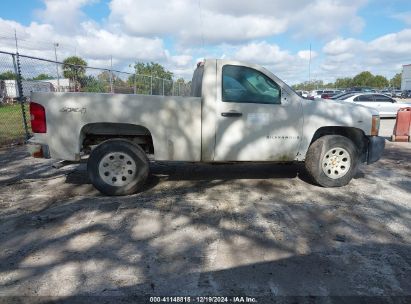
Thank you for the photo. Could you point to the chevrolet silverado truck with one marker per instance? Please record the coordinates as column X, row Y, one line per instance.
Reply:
column 236, row 112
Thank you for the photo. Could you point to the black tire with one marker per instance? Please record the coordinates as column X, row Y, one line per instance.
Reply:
column 135, row 156
column 315, row 160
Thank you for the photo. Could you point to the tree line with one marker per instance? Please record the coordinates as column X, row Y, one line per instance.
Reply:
column 363, row 79
column 74, row 68
column 148, row 78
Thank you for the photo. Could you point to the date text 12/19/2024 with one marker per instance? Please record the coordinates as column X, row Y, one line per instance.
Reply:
column 203, row 299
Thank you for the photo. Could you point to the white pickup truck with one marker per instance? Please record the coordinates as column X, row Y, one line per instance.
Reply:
column 237, row 112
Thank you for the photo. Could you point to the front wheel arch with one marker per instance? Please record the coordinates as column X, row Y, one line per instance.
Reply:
column 357, row 136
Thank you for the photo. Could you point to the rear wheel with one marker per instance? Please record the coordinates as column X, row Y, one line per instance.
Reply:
column 118, row 167
column 332, row 160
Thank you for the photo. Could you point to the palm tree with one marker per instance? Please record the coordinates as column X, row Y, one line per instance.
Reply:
column 74, row 68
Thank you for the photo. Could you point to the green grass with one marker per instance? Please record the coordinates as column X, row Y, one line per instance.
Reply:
column 11, row 124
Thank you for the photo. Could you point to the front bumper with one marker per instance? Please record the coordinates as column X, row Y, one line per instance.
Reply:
column 376, row 145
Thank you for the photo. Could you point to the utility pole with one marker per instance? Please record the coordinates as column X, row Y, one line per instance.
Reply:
column 19, row 84
column 151, row 83
column 15, row 38
column 111, row 74
column 135, row 77
column 55, row 44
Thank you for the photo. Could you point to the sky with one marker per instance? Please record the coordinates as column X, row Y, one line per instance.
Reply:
column 346, row 36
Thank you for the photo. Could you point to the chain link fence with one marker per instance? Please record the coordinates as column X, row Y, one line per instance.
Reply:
column 20, row 75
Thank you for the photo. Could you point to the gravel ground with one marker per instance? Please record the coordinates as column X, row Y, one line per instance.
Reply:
column 221, row 230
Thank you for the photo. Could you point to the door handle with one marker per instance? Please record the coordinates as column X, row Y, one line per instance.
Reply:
column 231, row 114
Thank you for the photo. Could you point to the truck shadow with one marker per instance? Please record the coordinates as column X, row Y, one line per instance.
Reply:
column 227, row 171
column 181, row 171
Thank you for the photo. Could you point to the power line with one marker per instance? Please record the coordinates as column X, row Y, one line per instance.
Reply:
column 201, row 24
column 36, row 44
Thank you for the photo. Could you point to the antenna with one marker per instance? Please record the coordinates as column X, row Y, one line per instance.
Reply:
column 201, row 24
column 309, row 67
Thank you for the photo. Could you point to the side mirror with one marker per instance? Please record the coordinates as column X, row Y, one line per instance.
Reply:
column 285, row 98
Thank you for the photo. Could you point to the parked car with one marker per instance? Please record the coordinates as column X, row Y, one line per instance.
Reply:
column 386, row 105
column 406, row 94
column 342, row 95
column 236, row 112
column 302, row 93
column 329, row 94
column 315, row 94
column 396, row 93
column 386, row 92
column 363, row 90
column 318, row 93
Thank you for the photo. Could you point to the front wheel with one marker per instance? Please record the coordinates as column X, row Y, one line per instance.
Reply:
column 118, row 167
column 332, row 161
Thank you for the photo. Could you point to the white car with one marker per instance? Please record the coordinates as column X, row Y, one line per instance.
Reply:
column 302, row 93
column 386, row 106
column 396, row 93
column 317, row 93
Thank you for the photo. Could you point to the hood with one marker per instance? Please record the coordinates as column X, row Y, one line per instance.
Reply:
column 324, row 112
column 339, row 105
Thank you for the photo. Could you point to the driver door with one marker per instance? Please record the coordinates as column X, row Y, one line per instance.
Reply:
column 256, row 119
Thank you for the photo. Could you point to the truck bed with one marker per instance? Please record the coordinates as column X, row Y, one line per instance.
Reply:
column 173, row 122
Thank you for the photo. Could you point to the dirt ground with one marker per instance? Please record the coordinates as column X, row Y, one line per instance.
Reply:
column 258, row 230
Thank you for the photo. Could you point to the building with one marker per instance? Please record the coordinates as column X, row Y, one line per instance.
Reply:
column 406, row 77
column 9, row 89
column 61, row 85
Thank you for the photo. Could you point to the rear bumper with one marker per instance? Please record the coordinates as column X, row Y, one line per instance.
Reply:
column 376, row 145
column 38, row 150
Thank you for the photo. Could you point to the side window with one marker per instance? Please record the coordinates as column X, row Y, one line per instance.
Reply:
column 382, row 98
column 367, row 97
column 246, row 85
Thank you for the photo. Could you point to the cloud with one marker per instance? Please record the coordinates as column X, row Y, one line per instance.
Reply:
column 307, row 54
column 322, row 18
column 384, row 55
column 190, row 24
column 263, row 53
column 100, row 43
column 214, row 22
column 289, row 67
column 172, row 33
column 64, row 15
column 404, row 17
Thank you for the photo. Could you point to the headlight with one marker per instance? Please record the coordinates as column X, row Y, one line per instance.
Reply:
column 375, row 125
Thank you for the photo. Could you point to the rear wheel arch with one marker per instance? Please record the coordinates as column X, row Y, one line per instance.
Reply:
column 95, row 133
column 118, row 167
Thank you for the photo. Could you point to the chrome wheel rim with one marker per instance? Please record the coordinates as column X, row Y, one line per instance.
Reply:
column 336, row 163
column 117, row 169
